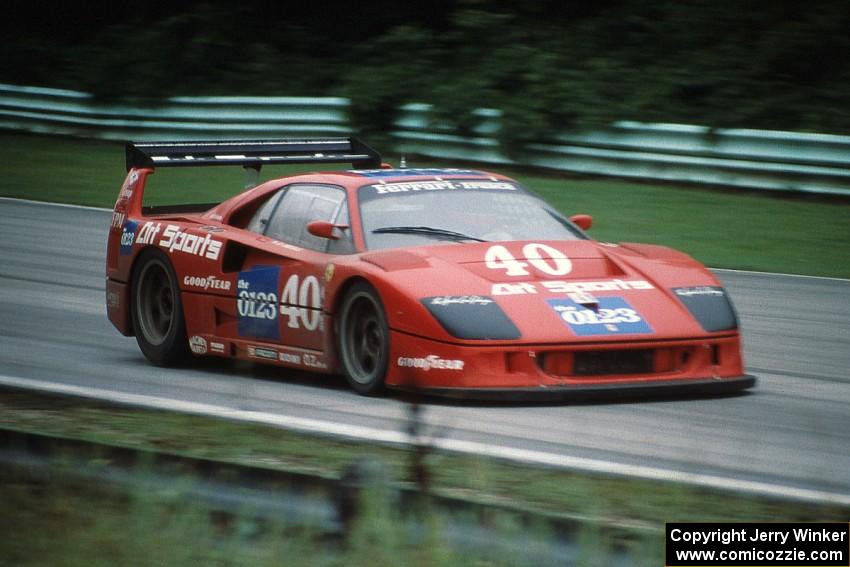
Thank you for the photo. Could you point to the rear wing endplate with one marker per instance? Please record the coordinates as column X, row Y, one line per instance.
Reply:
column 252, row 154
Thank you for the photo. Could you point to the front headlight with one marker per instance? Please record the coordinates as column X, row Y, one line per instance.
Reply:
column 710, row 306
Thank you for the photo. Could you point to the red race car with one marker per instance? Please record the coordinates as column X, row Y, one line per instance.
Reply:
column 447, row 281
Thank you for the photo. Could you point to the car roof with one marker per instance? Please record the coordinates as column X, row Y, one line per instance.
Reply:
column 407, row 173
column 354, row 178
column 350, row 180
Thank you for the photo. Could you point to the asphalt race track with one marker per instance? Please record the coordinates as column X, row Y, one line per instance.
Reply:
column 792, row 431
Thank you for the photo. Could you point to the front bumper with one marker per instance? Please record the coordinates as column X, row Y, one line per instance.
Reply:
column 568, row 370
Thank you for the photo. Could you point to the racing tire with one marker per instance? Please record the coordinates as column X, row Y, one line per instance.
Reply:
column 364, row 339
column 157, row 311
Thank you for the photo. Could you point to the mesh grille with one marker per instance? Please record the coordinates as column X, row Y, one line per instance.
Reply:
column 598, row 363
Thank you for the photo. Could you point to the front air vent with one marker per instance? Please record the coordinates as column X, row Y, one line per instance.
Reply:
column 600, row 363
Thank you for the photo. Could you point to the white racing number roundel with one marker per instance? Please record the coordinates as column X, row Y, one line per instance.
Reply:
column 302, row 303
column 543, row 257
column 260, row 307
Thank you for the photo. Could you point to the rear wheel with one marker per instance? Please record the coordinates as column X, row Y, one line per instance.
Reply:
column 157, row 311
column 364, row 339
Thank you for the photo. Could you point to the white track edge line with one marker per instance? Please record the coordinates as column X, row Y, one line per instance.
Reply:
column 829, row 278
column 309, row 425
column 64, row 205
column 84, row 207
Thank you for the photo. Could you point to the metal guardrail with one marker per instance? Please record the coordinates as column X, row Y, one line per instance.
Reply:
column 55, row 111
column 753, row 159
column 324, row 505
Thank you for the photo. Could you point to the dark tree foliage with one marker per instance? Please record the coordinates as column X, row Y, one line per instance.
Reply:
column 550, row 65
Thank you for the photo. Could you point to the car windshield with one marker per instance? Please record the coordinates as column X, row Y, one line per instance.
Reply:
column 416, row 213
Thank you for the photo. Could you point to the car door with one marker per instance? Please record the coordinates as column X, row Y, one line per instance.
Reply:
column 281, row 298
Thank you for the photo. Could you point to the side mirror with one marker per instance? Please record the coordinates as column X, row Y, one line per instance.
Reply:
column 584, row 222
column 324, row 229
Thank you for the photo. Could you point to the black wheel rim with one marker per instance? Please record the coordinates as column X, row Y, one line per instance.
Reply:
column 155, row 303
column 365, row 340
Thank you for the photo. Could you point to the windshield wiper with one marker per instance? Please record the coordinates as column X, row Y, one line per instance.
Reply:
column 428, row 231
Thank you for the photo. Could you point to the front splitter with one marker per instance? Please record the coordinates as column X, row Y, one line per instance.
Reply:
column 591, row 392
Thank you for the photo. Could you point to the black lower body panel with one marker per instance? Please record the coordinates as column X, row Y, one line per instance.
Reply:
column 602, row 392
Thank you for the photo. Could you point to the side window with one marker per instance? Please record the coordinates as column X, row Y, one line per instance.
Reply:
column 299, row 205
column 260, row 220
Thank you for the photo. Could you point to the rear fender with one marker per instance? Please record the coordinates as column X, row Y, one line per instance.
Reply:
column 128, row 206
column 119, row 299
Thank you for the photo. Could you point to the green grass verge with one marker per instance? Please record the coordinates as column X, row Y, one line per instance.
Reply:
column 728, row 229
column 645, row 505
column 54, row 517
column 57, row 519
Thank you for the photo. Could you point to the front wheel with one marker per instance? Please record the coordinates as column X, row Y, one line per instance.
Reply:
column 157, row 311
column 364, row 339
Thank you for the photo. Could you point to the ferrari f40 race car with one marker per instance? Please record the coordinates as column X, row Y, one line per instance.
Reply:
column 449, row 281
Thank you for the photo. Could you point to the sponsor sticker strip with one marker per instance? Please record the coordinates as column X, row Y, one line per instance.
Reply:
column 611, row 316
column 176, row 239
column 128, row 235
column 441, row 185
column 118, row 219
column 432, row 361
column 564, row 287
column 705, row 290
column 460, row 300
column 198, row 344
column 207, row 282
column 289, row 355
column 262, row 352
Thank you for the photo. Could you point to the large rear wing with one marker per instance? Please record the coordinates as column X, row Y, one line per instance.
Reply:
column 252, row 154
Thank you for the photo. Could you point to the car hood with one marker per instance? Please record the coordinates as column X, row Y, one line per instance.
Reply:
column 550, row 291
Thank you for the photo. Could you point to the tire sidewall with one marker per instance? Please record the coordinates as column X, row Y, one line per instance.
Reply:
column 363, row 290
column 175, row 348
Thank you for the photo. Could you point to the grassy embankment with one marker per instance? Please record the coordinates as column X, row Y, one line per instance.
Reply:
column 725, row 229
